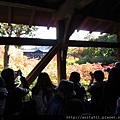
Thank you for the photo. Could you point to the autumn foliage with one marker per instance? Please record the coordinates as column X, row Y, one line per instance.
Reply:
column 19, row 61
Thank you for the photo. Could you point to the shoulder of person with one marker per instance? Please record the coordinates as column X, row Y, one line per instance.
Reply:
column 91, row 87
column 23, row 90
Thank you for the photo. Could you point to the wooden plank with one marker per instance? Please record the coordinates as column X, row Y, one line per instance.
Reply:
column 68, row 6
column 26, row 6
column 9, row 15
column 60, row 36
column 53, row 42
column 32, row 17
column 118, row 40
column 65, row 38
column 118, row 3
column 106, row 28
column 73, row 43
column 95, row 26
column 27, row 41
column 83, row 23
column 41, row 65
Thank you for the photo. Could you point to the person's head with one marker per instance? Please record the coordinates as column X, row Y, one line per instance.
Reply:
column 8, row 75
column 74, row 77
column 114, row 76
column 43, row 81
column 3, row 94
column 66, row 89
column 99, row 75
column 117, row 65
column 75, row 107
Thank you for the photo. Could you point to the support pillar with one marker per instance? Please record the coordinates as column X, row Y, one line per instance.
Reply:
column 118, row 40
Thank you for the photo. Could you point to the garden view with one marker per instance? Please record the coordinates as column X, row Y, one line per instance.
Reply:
column 83, row 60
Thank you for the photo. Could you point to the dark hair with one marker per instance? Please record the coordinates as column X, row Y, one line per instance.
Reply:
column 117, row 65
column 8, row 75
column 43, row 81
column 114, row 76
column 75, row 107
column 74, row 77
column 98, row 75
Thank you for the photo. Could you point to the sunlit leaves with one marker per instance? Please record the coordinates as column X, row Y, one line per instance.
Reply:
column 16, row 30
column 19, row 61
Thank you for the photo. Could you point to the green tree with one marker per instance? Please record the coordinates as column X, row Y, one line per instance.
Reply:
column 73, row 54
column 74, row 51
column 14, row 30
column 97, row 54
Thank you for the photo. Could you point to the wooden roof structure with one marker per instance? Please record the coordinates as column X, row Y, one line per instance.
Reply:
column 67, row 16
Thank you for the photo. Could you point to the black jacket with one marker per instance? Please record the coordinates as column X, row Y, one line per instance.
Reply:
column 14, row 98
column 56, row 106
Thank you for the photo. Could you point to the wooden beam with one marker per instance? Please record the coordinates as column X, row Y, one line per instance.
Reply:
column 83, row 23
column 41, row 65
column 106, row 28
column 53, row 42
column 65, row 38
column 73, row 43
column 102, row 16
column 32, row 17
column 9, row 15
column 51, row 19
column 11, row 4
column 118, row 3
column 27, row 41
column 87, row 18
column 61, row 69
column 68, row 6
column 95, row 26
column 118, row 40
column 103, row 20
column 116, row 27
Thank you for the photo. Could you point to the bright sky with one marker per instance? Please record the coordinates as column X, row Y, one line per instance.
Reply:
column 81, row 34
column 44, row 33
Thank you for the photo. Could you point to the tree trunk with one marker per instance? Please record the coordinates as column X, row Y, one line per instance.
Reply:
column 6, row 56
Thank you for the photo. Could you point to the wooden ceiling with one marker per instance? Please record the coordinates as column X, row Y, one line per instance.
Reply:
column 91, row 15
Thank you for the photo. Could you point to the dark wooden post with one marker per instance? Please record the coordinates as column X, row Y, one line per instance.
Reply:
column 61, row 63
column 118, row 40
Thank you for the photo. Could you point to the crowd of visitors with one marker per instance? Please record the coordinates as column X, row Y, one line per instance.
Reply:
column 68, row 98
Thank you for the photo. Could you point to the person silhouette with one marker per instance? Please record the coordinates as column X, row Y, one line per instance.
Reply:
column 79, row 89
column 107, row 104
column 95, row 89
column 42, row 92
column 15, row 93
column 3, row 95
column 57, row 104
